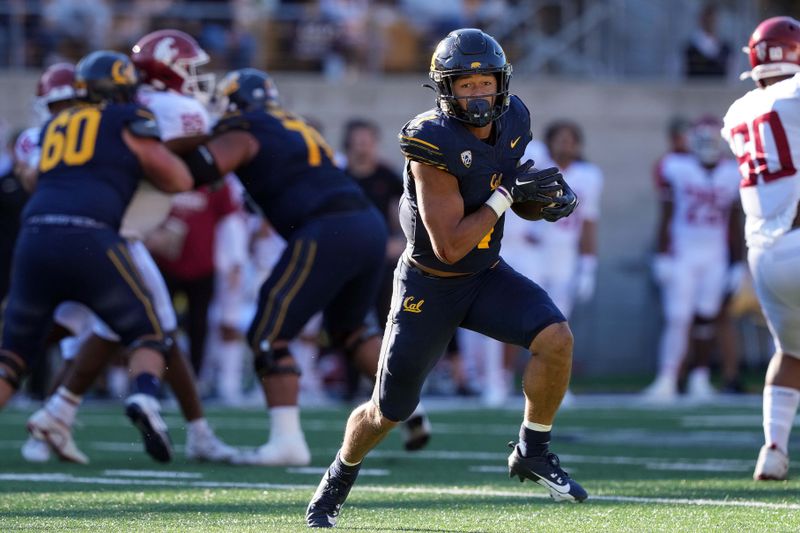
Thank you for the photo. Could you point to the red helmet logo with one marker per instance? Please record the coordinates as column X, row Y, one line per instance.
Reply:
column 168, row 59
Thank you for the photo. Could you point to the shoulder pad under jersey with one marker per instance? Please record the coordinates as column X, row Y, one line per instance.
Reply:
column 425, row 139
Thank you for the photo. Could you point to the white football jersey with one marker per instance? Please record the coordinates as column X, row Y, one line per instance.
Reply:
column 26, row 148
column 763, row 130
column 586, row 179
column 702, row 201
column 177, row 116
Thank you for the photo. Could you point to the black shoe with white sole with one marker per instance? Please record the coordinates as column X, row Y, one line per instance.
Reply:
column 546, row 471
column 143, row 411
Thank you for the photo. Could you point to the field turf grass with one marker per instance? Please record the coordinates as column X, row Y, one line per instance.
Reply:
column 646, row 469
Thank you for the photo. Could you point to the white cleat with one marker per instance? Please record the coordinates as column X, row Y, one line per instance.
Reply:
column 144, row 412
column 206, row 446
column 698, row 387
column 772, row 464
column 45, row 427
column 35, row 451
column 281, row 451
column 662, row 390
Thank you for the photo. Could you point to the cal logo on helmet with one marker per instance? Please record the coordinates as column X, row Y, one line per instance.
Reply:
column 122, row 73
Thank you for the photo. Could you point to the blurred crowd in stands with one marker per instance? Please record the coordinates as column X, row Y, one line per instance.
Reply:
column 331, row 36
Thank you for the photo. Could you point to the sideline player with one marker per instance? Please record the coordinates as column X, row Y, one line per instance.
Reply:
column 763, row 130
column 461, row 175
column 697, row 225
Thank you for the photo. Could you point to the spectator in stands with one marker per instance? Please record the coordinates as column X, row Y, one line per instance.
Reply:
column 78, row 27
column 706, row 55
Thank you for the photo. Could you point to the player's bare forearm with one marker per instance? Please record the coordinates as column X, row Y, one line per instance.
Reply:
column 441, row 207
column 465, row 236
column 232, row 149
column 587, row 244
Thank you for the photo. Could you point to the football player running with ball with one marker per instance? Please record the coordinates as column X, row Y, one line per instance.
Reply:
column 462, row 173
column 763, row 130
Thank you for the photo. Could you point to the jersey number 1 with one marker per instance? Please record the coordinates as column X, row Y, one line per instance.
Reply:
column 71, row 138
column 748, row 141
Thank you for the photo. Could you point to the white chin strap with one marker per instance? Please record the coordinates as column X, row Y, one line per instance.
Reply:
column 770, row 70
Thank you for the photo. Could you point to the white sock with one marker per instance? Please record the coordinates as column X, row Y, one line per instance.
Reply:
column 537, row 427
column 230, row 364
column 780, row 406
column 198, row 427
column 64, row 405
column 284, row 421
column 672, row 348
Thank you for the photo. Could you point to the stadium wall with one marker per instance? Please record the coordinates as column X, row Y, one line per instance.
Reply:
column 624, row 126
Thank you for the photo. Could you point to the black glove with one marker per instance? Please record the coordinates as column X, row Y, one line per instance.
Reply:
column 527, row 183
column 564, row 204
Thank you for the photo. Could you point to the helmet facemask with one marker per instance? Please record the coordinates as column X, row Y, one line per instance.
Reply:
column 478, row 112
column 200, row 86
column 464, row 52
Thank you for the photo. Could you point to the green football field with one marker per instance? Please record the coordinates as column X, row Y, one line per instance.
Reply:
column 646, row 469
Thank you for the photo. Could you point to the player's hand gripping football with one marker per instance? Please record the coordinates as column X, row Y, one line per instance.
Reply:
column 560, row 206
column 528, row 183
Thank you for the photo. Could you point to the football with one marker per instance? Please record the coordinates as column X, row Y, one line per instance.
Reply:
column 531, row 210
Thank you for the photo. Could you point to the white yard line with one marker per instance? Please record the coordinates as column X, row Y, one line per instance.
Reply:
column 153, row 473
column 433, row 491
column 652, row 463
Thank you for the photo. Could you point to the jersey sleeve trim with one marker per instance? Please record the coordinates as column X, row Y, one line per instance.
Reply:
column 144, row 124
column 430, row 145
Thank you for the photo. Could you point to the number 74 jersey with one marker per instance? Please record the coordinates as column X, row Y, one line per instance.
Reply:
column 763, row 130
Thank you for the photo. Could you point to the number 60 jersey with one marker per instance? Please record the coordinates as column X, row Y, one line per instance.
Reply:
column 763, row 130
column 86, row 169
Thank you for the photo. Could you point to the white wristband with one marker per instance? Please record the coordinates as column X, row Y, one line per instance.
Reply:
column 499, row 201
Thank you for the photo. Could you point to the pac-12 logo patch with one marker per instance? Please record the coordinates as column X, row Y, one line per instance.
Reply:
column 466, row 158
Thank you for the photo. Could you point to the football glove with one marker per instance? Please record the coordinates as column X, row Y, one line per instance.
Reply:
column 560, row 206
column 527, row 183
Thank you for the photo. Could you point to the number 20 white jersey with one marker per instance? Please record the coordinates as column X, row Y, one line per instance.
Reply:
column 763, row 130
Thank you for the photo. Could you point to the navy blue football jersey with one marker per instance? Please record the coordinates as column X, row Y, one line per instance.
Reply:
column 292, row 177
column 436, row 139
column 86, row 169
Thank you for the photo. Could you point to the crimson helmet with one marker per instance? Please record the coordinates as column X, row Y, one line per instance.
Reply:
column 774, row 49
column 168, row 59
column 56, row 84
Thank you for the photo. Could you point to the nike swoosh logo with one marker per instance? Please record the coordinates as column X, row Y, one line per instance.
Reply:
column 561, row 489
column 515, row 141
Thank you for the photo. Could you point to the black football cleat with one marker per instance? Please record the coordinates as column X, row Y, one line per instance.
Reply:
column 144, row 412
column 328, row 500
column 416, row 432
column 546, row 471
